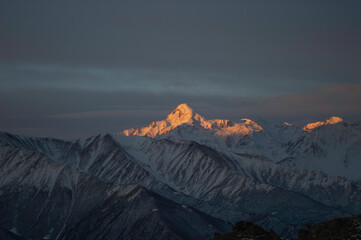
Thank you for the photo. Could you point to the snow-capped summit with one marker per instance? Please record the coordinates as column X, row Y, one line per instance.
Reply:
column 182, row 114
column 287, row 124
column 312, row 147
column 185, row 115
column 183, row 123
column 332, row 120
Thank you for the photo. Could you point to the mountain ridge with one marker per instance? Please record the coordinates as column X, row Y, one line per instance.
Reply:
column 280, row 143
column 194, row 165
column 184, row 114
column 183, row 171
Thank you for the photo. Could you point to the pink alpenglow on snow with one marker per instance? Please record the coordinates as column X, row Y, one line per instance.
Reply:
column 332, row 120
column 183, row 114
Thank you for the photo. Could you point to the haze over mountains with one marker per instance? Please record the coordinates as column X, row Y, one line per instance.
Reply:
column 184, row 177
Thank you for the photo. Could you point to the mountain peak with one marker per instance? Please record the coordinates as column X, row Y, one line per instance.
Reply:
column 181, row 111
column 184, row 107
column 332, row 120
column 183, row 114
column 287, row 124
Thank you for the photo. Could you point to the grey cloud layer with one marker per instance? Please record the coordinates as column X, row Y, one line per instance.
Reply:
column 26, row 76
column 306, row 40
column 76, row 68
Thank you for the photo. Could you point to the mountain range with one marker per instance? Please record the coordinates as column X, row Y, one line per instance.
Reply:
column 184, row 177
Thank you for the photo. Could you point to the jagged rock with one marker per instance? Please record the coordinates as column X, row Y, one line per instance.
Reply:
column 348, row 228
column 245, row 230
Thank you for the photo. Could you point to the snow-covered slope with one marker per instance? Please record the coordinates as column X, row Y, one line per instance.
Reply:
column 278, row 176
column 332, row 146
column 184, row 123
column 228, row 187
column 334, row 149
column 43, row 199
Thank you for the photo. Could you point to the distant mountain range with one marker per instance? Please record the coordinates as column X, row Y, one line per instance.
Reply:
column 185, row 177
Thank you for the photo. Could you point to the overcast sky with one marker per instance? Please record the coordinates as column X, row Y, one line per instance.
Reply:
column 73, row 69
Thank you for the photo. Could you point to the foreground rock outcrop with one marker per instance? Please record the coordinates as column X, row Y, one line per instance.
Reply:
column 339, row 228
column 247, row 230
column 348, row 228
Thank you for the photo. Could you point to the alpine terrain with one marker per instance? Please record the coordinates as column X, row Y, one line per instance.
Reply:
column 184, row 177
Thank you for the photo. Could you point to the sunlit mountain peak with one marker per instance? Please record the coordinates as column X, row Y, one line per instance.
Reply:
column 185, row 115
column 287, row 124
column 332, row 120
